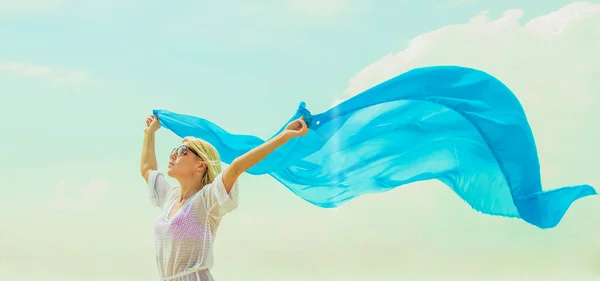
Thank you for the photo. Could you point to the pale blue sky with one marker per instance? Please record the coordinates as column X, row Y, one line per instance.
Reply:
column 224, row 61
column 78, row 78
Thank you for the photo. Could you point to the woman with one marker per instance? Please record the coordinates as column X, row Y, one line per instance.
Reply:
column 191, row 213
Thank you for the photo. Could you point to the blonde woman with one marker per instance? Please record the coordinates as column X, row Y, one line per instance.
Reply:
column 191, row 213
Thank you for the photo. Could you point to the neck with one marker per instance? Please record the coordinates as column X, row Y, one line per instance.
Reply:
column 189, row 187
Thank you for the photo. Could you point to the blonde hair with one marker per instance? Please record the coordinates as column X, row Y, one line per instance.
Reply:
column 209, row 154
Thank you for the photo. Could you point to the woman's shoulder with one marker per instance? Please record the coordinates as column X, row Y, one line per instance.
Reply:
column 217, row 198
column 173, row 192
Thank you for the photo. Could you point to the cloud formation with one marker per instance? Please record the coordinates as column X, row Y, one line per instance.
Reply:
column 561, row 40
column 23, row 7
column 548, row 62
column 53, row 75
column 316, row 8
column 74, row 199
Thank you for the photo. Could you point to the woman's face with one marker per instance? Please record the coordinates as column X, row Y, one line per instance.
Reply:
column 183, row 162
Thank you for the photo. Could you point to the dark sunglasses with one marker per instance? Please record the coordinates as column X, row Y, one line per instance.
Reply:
column 182, row 150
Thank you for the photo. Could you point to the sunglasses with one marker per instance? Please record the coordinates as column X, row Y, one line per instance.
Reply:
column 183, row 149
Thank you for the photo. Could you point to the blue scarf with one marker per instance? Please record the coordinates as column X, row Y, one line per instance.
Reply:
column 457, row 125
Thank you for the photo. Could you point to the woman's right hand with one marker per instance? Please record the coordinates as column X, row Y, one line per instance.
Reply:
column 152, row 124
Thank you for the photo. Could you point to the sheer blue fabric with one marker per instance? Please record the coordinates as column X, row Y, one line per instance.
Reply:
column 456, row 125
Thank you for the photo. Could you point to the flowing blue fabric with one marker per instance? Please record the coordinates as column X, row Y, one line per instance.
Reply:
column 458, row 125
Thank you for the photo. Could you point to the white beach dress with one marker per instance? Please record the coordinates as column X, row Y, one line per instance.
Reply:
column 184, row 243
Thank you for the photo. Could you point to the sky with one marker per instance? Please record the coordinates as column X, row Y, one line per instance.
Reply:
column 78, row 79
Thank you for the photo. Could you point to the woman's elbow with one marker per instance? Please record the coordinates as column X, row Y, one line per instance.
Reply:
column 145, row 174
column 235, row 168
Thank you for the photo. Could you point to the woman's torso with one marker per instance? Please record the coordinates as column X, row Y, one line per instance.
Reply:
column 184, row 241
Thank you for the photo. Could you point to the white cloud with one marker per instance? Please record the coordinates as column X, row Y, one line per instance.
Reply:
column 23, row 7
column 76, row 199
column 450, row 4
column 54, row 75
column 551, row 63
column 504, row 47
column 316, row 7
column 94, row 11
column 62, row 198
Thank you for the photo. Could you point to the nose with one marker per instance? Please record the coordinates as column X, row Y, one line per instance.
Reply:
column 172, row 156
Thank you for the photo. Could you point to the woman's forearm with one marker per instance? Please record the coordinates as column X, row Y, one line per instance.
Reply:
column 148, row 161
column 249, row 159
column 241, row 164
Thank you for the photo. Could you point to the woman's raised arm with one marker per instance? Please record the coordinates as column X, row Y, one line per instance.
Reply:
column 148, row 161
column 241, row 164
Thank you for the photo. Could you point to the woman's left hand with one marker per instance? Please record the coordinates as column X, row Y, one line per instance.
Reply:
column 296, row 128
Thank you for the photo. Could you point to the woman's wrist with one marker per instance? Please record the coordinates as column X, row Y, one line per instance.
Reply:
column 285, row 136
